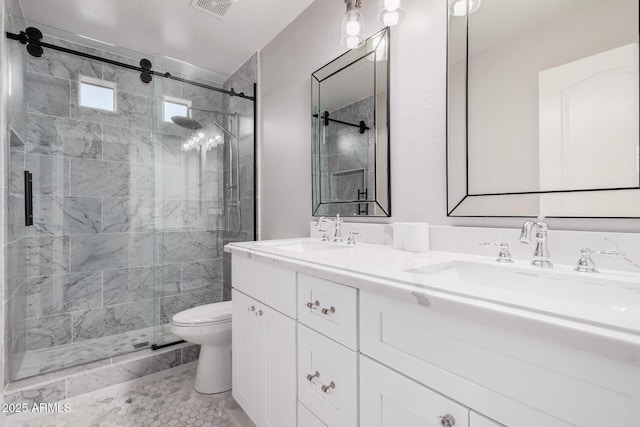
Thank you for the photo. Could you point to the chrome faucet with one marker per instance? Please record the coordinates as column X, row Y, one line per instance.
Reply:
column 325, row 233
column 541, row 255
column 337, row 234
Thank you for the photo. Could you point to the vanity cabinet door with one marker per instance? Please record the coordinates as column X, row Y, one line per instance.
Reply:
column 389, row 399
column 246, row 362
column 264, row 362
column 278, row 357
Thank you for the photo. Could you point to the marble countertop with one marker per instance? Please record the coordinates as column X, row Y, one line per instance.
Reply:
column 595, row 312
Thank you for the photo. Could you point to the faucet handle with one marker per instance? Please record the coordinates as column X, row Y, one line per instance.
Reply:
column 351, row 240
column 587, row 265
column 504, row 255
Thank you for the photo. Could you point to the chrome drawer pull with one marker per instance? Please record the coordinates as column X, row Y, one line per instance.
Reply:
column 329, row 310
column 447, row 421
column 311, row 377
column 313, row 305
column 326, row 388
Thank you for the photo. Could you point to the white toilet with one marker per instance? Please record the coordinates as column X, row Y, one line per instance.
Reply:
column 210, row 326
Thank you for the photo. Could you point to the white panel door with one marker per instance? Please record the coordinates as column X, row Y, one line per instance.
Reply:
column 389, row 399
column 245, row 356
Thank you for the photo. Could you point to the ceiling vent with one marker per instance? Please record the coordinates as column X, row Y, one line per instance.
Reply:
column 217, row 8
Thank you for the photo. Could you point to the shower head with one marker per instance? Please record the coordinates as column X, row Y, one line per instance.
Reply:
column 186, row 122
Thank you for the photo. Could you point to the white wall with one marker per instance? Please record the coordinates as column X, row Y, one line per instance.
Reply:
column 418, row 120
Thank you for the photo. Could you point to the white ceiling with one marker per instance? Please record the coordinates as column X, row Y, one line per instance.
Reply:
column 171, row 27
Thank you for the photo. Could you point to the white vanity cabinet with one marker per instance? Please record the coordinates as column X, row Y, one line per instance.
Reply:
column 264, row 344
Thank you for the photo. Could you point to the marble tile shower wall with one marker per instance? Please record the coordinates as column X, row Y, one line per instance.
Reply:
column 14, row 230
column 111, row 198
column 244, row 229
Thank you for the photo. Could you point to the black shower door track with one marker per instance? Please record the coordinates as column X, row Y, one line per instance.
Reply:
column 24, row 38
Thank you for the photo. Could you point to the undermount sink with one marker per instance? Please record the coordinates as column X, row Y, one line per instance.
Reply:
column 302, row 246
column 574, row 295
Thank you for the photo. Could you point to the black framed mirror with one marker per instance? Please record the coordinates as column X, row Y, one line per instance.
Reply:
column 350, row 132
column 542, row 113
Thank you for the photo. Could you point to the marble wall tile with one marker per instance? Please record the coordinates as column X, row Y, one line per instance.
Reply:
column 16, row 169
column 187, row 246
column 137, row 284
column 128, row 214
column 202, row 214
column 127, row 80
column 111, row 251
column 246, row 180
column 114, row 319
column 58, row 136
column 89, row 178
column 176, row 303
column 127, row 145
column 171, row 145
column 47, row 255
column 49, row 174
column 48, row 95
column 64, row 65
column 15, row 218
column 82, row 215
column 47, row 216
column 50, row 331
column 49, row 295
column 173, row 183
column 202, row 275
column 203, row 98
column 16, row 265
column 144, row 181
column 190, row 354
column 16, row 326
column 49, row 393
column 172, row 214
column 121, row 373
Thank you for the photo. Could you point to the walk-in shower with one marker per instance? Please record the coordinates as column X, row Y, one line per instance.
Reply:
column 131, row 207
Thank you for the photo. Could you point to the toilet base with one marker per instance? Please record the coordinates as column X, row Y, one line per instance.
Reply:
column 214, row 369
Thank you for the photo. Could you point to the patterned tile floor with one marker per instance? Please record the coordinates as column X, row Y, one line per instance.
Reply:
column 38, row 362
column 163, row 399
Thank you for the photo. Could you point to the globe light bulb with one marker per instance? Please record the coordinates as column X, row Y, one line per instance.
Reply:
column 391, row 5
column 391, row 18
column 353, row 42
column 353, row 28
column 201, row 135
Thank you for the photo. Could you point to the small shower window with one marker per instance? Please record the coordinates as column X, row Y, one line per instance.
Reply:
column 175, row 107
column 97, row 93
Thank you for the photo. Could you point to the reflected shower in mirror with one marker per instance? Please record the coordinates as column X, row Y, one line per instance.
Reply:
column 350, row 132
column 543, row 109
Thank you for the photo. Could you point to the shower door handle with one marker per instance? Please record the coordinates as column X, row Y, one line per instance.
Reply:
column 28, row 198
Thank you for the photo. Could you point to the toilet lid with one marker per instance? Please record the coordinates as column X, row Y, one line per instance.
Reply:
column 204, row 314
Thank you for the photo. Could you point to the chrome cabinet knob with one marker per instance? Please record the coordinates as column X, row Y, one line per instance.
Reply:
column 251, row 308
column 311, row 377
column 259, row 313
column 327, row 311
column 446, row 421
column 326, row 388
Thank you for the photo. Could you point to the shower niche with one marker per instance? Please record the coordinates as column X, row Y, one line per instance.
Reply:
column 131, row 210
column 350, row 132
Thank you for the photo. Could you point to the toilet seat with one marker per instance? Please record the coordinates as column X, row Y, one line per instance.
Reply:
column 209, row 314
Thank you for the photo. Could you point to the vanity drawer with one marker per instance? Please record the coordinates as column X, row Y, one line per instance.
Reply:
column 269, row 284
column 389, row 399
column 512, row 379
column 329, row 308
column 327, row 363
column 307, row 419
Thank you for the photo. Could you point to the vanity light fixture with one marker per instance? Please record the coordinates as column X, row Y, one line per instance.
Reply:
column 460, row 7
column 352, row 34
column 391, row 12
